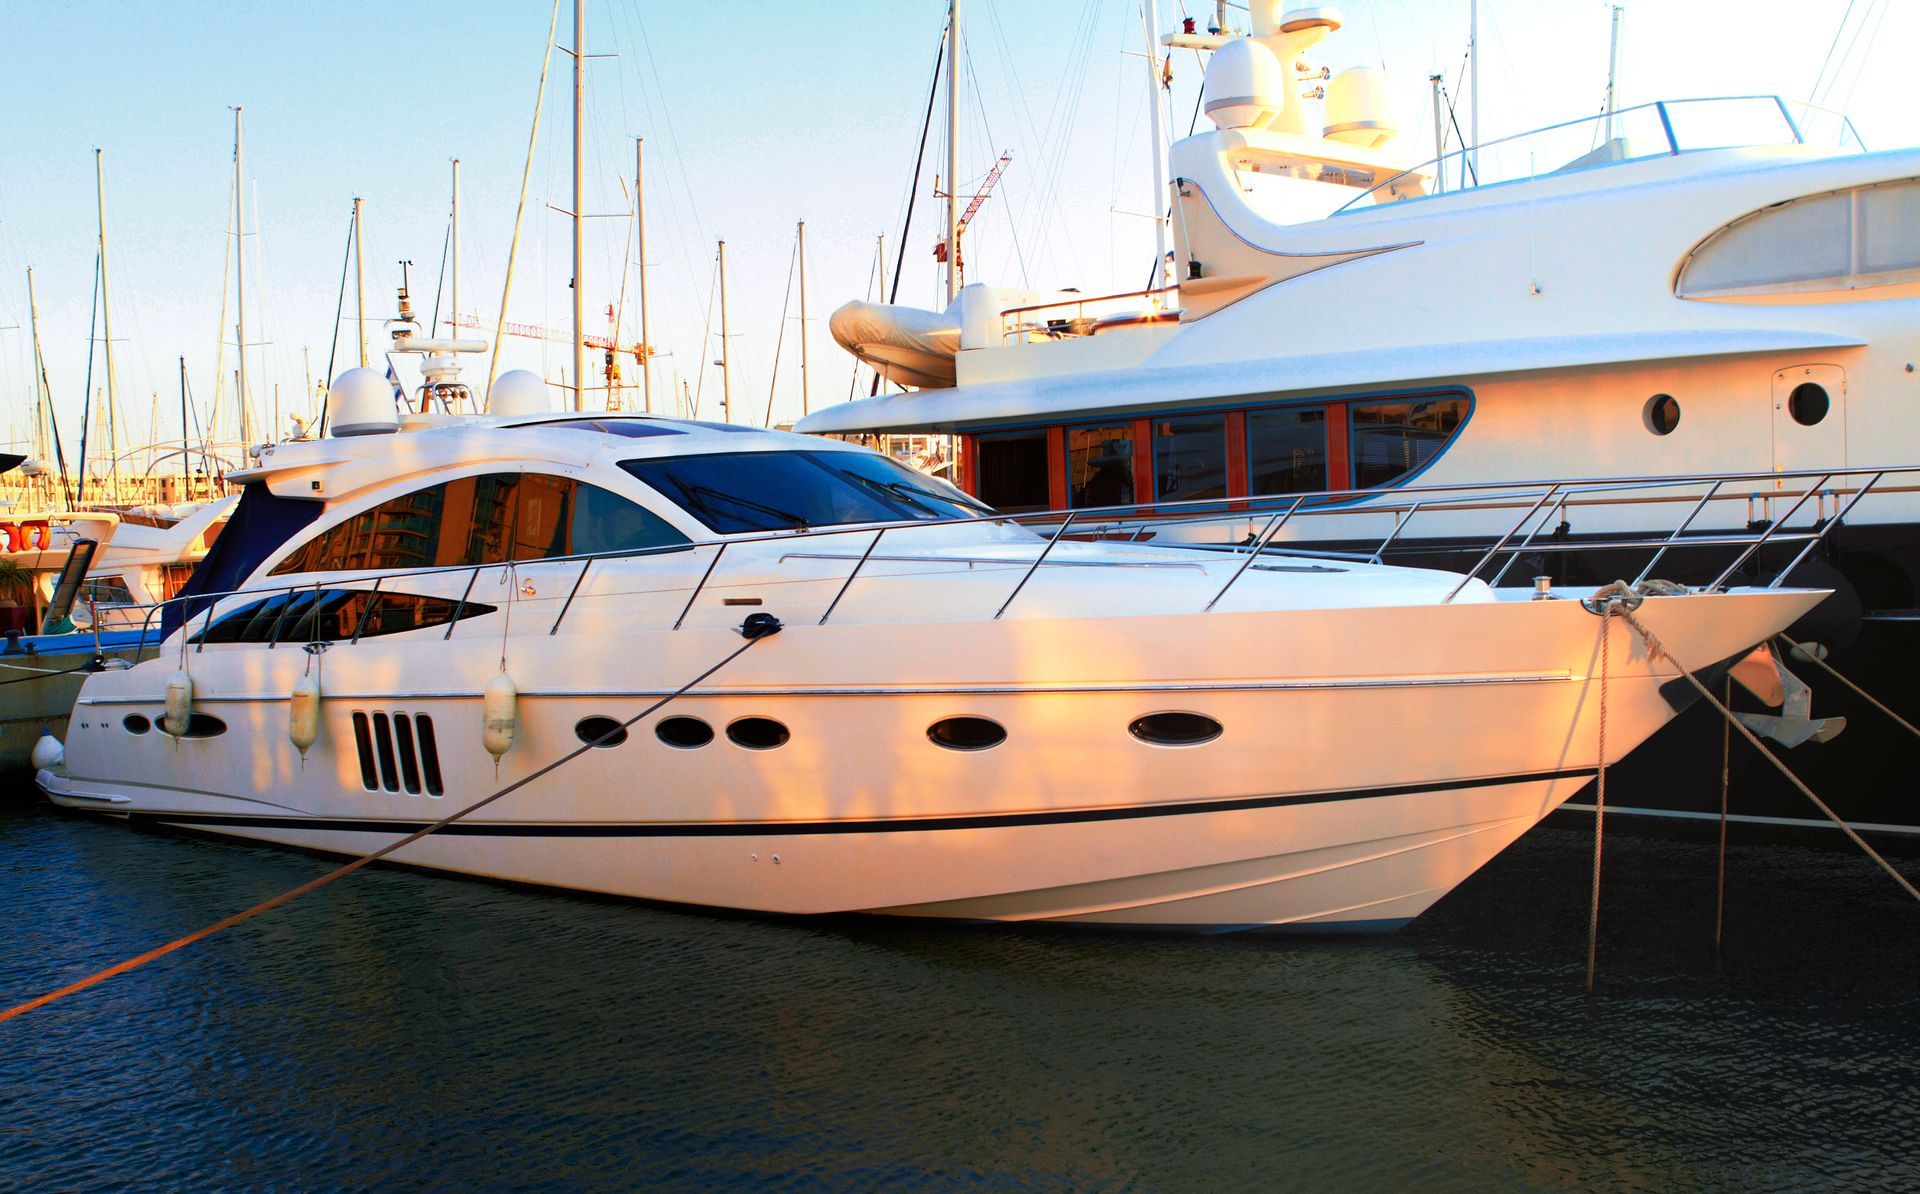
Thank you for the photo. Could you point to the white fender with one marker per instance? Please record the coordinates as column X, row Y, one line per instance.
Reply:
column 498, row 715
column 303, row 713
column 47, row 752
column 179, row 704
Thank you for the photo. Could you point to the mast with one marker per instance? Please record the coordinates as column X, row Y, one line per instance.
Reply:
column 953, row 149
column 453, row 234
column 802, row 233
column 186, row 438
column 640, row 234
column 726, row 373
column 1473, row 86
column 106, row 322
column 1439, row 136
column 579, row 185
column 1159, row 146
column 1613, row 67
column 359, row 283
column 240, row 267
column 43, row 403
column 520, row 210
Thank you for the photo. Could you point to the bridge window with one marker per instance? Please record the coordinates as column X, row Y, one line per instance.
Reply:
column 1287, row 450
column 1100, row 466
column 1189, row 457
column 1842, row 240
column 1012, row 470
column 489, row 519
column 1392, row 439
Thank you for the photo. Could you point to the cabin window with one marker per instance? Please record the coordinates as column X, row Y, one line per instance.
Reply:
column 736, row 493
column 334, row 615
column 1842, row 240
column 1100, row 466
column 1012, row 471
column 1190, row 457
column 489, row 519
column 1287, row 450
column 1392, row 439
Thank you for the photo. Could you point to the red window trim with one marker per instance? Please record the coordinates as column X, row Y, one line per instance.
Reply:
column 1339, row 453
column 1057, row 468
column 1143, row 461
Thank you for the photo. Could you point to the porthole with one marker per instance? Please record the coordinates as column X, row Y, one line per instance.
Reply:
column 686, row 733
column 757, row 733
column 1808, row 404
column 136, row 724
column 967, row 733
column 593, row 729
column 1175, row 729
column 199, row 725
column 1662, row 414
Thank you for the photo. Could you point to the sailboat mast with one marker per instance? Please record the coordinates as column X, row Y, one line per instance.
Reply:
column 186, row 439
column 953, row 149
column 640, row 236
column 802, row 234
column 106, row 323
column 579, row 186
column 359, row 283
column 453, row 234
column 1439, row 136
column 1613, row 67
column 1160, row 199
column 240, row 265
column 1473, row 85
column 726, row 372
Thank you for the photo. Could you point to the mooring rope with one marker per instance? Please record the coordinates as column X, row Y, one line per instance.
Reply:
column 41, row 673
column 1600, row 796
column 1656, row 648
column 758, row 627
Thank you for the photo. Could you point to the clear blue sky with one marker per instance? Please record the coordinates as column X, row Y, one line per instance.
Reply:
column 756, row 115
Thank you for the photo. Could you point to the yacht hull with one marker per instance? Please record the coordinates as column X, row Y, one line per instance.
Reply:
column 1368, row 759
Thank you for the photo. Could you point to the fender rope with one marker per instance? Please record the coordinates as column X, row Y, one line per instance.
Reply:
column 758, row 626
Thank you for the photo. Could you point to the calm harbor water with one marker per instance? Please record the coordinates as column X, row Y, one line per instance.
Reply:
column 403, row 1029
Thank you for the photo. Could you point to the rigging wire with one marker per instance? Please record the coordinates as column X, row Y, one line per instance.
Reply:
column 1814, row 91
column 339, row 309
column 86, row 401
column 780, row 337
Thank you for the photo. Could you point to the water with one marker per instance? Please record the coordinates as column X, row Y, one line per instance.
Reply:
column 407, row 1029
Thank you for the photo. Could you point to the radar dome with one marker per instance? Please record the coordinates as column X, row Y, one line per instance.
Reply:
column 1244, row 86
column 518, row 392
column 360, row 402
column 1356, row 108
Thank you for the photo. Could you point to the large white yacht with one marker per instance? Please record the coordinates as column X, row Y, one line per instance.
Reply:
column 960, row 718
column 1692, row 286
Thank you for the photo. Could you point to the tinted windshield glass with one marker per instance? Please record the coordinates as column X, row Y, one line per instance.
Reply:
column 742, row 492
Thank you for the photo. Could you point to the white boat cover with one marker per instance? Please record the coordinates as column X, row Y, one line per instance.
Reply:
column 907, row 345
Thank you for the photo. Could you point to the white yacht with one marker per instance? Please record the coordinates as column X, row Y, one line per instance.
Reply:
column 957, row 717
column 1689, row 286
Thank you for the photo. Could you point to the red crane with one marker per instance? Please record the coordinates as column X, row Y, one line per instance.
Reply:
column 973, row 208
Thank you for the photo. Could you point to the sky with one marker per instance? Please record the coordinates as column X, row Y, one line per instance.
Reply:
column 756, row 115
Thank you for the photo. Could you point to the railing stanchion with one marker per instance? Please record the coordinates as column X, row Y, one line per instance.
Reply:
column 373, row 598
column 695, row 595
column 848, row 583
column 571, row 593
column 1035, row 566
column 1495, row 549
column 1831, row 523
column 1558, row 508
column 1767, row 534
column 460, row 607
column 1259, row 545
column 1677, row 532
column 1399, row 524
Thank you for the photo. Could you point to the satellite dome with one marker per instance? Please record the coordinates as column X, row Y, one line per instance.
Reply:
column 1356, row 108
column 1244, row 85
column 518, row 392
column 361, row 403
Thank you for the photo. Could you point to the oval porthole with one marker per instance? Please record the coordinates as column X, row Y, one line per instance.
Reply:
column 686, row 733
column 967, row 733
column 592, row 729
column 1175, row 729
column 199, row 725
column 1662, row 414
column 136, row 724
column 1808, row 404
column 757, row 733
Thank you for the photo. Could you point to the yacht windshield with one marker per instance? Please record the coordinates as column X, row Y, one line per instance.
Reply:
column 735, row 493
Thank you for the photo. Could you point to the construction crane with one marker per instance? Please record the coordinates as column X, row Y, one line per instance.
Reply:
column 973, row 208
column 613, row 349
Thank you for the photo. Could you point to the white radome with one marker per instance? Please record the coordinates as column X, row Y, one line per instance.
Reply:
column 1244, row 85
column 518, row 392
column 361, row 402
column 1356, row 108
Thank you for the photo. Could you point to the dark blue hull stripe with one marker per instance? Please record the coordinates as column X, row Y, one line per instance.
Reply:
column 811, row 828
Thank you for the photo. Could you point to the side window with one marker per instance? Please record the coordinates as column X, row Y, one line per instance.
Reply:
column 1190, row 457
column 489, row 519
column 1392, row 439
column 1100, row 466
column 1287, row 450
column 335, row 615
column 106, row 590
column 1013, row 471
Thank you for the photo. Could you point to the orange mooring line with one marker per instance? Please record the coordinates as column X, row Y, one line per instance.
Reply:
column 341, row 872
